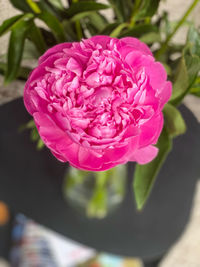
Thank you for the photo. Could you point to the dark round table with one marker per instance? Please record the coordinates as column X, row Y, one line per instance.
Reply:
column 31, row 183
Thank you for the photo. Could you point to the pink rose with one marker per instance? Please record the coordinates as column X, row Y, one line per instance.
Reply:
column 98, row 103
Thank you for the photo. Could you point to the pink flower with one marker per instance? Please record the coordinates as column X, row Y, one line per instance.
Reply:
column 98, row 103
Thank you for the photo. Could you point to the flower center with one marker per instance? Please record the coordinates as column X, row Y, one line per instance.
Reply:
column 96, row 94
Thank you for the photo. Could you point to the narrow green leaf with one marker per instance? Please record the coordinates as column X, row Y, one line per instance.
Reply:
column 56, row 3
column 140, row 30
column 7, row 24
column 181, row 81
column 195, row 90
column 69, row 30
column 148, row 8
column 109, row 28
column 151, row 37
column 34, row 135
column 45, row 6
column 40, row 144
column 193, row 67
column 119, row 6
column 174, row 121
column 116, row 32
column 21, row 5
column 54, row 24
column 145, row 175
column 188, row 69
column 84, row 6
column 37, row 38
column 193, row 40
column 98, row 21
column 81, row 15
column 15, row 50
column 33, row 6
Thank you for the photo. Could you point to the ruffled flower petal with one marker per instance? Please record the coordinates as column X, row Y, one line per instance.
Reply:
column 98, row 103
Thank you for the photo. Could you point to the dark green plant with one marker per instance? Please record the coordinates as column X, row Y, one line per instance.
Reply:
column 81, row 19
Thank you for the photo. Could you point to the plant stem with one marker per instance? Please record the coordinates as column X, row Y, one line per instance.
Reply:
column 116, row 32
column 134, row 11
column 181, row 21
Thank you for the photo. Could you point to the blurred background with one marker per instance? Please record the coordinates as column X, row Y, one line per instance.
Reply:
column 186, row 251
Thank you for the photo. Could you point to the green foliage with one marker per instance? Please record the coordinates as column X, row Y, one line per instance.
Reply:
column 16, row 45
column 37, row 39
column 188, row 68
column 147, row 8
column 21, row 5
column 53, row 23
column 84, row 6
column 34, row 135
column 139, row 30
column 193, row 41
column 8, row 24
column 145, row 175
column 174, row 122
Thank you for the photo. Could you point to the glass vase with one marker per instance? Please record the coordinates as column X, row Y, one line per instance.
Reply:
column 95, row 194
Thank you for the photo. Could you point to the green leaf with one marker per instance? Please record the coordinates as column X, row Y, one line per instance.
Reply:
column 98, row 21
column 195, row 90
column 56, row 3
column 94, row 18
column 148, row 8
column 34, row 135
column 33, row 6
column 37, row 38
column 40, row 144
column 193, row 67
column 80, row 16
column 69, row 30
column 145, row 175
column 116, row 32
column 16, row 45
column 21, row 5
column 174, row 121
column 140, row 30
column 186, row 74
column 109, row 28
column 54, row 24
column 7, row 24
column 151, row 37
column 181, row 81
column 84, row 6
column 193, row 40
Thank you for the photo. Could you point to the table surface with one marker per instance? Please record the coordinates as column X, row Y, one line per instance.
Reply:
column 31, row 183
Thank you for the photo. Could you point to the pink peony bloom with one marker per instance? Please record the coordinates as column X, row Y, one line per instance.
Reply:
column 98, row 103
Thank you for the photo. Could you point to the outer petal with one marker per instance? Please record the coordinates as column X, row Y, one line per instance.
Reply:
column 144, row 155
column 35, row 75
column 150, row 131
column 53, row 50
column 53, row 137
column 154, row 70
column 130, row 44
column 165, row 93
